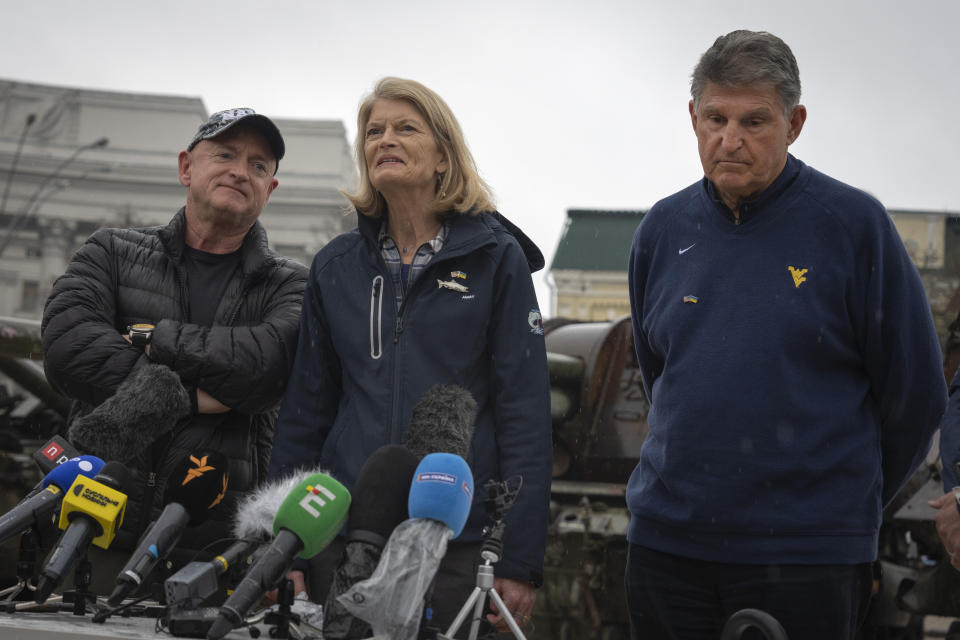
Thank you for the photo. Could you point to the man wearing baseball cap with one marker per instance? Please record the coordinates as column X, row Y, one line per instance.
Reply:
column 204, row 297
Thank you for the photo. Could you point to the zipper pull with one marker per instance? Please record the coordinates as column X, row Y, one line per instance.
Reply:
column 152, row 479
column 398, row 330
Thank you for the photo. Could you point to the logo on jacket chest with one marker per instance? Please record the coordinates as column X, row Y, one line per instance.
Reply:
column 456, row 283
column 799, row 275
column 453, row 286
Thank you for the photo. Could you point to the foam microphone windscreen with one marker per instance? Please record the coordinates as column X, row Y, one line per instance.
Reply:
column 101, row 499
column 91, row 512
column 256, row 510
column 306, row 522
column 36, row 509
column 442, row 421
column 378, row 505
column 198, row 483
column 379, row 497
column 315, row 511
column 146, row 406
column 64, row 474
column 442, row 489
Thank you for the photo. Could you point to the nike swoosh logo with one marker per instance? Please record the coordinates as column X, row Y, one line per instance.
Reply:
column 683, row 251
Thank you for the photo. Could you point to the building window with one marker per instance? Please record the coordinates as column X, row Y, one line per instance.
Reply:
column 29, row 297
column 32, row 251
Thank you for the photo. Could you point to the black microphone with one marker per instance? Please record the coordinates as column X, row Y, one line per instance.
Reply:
column 92, row 511
column 442, row 421
column 252, row 527
column 392, row 598
column 144, row 407
column 40, row 506
column 196, row 485
column 379, row 504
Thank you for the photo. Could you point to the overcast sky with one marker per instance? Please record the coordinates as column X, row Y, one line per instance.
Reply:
column 565, row 104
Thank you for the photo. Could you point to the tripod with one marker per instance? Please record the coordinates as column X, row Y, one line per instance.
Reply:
column 498, row 502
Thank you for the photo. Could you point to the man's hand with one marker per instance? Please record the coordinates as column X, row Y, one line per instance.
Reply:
column 208, row 404
column 299, row 586
column 519, row 598
column 205, row 402
column 948, row 525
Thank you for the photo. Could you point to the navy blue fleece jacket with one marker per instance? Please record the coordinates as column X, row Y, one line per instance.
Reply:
column 362, row 365
column 793, row 370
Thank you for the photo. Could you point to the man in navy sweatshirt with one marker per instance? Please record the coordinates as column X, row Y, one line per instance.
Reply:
column 794, row 374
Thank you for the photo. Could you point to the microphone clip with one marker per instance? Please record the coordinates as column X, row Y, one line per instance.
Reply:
column 500, row 497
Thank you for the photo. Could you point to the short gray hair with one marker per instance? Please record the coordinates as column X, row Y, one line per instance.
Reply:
column 743, row 58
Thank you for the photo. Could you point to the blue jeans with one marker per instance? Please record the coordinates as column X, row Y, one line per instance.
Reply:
column 675, row 598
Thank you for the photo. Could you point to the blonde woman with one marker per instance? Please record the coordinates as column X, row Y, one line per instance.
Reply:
column 432, row 287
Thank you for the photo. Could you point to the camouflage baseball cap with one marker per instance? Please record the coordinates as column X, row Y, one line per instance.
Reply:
column 223, row 120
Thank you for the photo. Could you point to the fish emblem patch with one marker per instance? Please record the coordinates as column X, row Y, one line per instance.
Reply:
column 453, row 286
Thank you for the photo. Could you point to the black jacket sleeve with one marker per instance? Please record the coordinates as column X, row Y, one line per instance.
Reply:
column 245, row 367
column 85, row 354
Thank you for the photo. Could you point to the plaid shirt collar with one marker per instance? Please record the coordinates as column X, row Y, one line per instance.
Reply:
column 423, row 256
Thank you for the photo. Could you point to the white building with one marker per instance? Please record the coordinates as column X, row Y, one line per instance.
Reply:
column 57, row 185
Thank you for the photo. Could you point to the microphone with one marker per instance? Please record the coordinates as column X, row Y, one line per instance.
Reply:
column 144, row 407
column 442, row 490
column 41, row 505
column 391, row 600
column 92, row 511
column 442, row 421
column 252, row 526
column 197, row 581
column 379, row 504
column 195, row 486
column 307, row 520
column 55, row 452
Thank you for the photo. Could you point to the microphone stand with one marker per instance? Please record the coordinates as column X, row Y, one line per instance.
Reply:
column 283, row 616
column 491, row 551
column 82, row 577
column 26, row 559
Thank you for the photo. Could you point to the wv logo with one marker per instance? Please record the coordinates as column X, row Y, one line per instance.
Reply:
column 799, row 276
column 313, row 497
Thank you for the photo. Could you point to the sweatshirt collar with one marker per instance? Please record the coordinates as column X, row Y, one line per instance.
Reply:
column 752, row 208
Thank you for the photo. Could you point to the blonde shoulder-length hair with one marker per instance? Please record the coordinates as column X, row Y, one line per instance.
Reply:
column 459, row 189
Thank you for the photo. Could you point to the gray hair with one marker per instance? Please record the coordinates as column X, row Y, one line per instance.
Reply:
column 743, row 58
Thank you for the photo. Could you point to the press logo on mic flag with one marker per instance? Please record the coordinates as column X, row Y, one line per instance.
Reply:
column 53, row 451
column 97, row 500
column 220, row 496
column 313, row 497
column 434, row 476
column 315, row 510
column 203, row 479
column 201, row 468
column 445, row 478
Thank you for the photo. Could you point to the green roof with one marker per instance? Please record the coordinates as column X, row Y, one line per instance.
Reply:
column 596, row 240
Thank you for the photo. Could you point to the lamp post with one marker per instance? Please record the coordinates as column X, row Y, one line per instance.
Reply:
column 28, row 207
column 16, row 159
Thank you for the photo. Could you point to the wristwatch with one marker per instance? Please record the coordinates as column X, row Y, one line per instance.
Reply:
column 140, row 334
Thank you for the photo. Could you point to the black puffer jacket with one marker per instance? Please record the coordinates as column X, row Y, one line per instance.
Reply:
column 124, row 276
